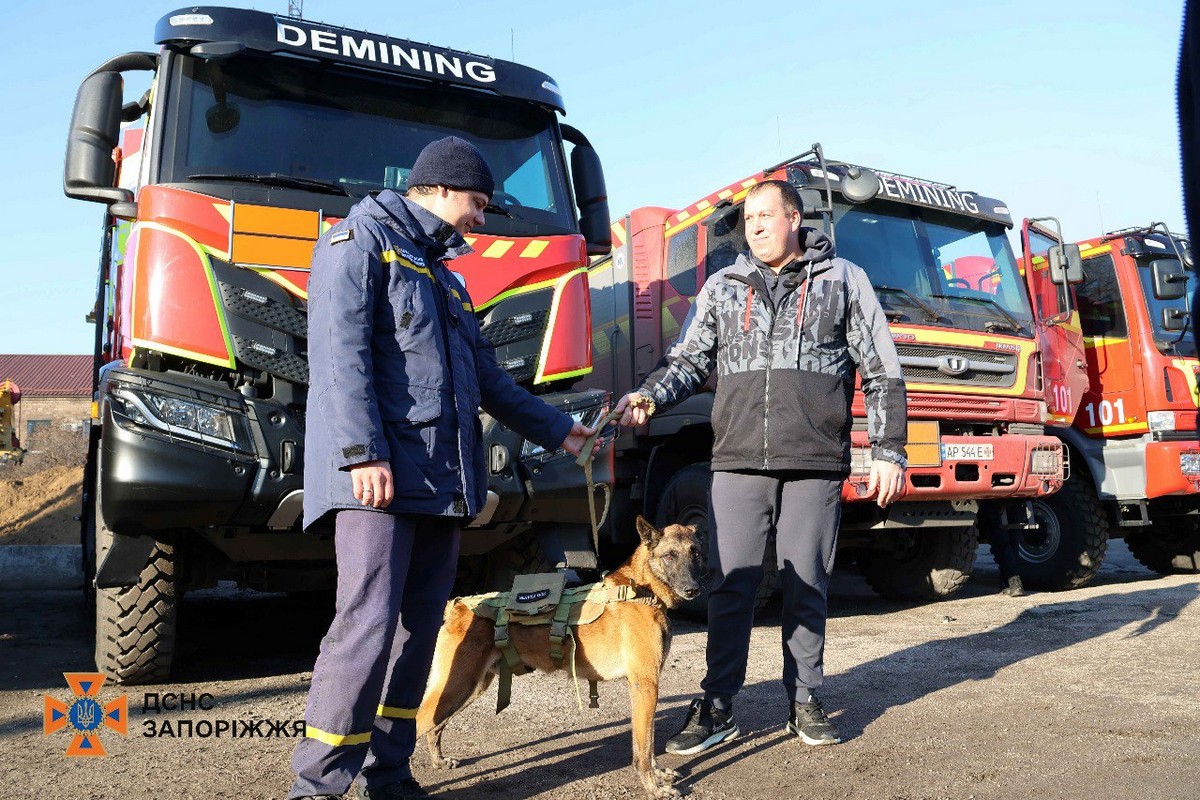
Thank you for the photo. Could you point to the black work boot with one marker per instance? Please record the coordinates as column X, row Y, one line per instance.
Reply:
column 407, row 789
column 808, row 721
column 704, row 727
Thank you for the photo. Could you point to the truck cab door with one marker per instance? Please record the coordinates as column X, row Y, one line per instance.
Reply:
column 1056, row 320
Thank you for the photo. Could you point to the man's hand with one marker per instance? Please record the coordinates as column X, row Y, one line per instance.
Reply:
column 577, row 438
column 372, row 483
column 888, row 477
column 635, row 408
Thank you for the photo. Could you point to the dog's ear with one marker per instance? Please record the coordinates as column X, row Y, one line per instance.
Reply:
column 649, row 534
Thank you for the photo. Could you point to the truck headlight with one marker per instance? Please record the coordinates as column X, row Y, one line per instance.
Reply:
column 1045, row 461
column 1161, row 420
column 210, row 424
column 1189, row 462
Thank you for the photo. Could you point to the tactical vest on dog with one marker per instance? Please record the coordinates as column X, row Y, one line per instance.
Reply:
column 543, row 600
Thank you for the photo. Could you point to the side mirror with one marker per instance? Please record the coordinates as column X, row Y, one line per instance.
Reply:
column 592, row 196
column 1170, row 282
column 1174, row 319
column 860, row 185
column 90, row 171
column 811, row 200
column 1066, row 264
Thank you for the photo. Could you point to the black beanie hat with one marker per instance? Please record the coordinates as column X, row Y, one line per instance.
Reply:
column 454, row 163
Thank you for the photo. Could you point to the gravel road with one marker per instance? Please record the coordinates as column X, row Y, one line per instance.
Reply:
column 1091, row 694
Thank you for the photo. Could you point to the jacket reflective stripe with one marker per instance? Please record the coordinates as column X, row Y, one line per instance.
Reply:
column 392, row 255
column 335, row 740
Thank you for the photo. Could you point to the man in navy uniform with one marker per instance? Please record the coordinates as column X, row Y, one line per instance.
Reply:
column 394, row 451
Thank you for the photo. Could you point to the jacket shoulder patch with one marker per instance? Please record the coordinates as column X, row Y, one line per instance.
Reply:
column 342, row 236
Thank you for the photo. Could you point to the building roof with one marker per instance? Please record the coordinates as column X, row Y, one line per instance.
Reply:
column 48, row 375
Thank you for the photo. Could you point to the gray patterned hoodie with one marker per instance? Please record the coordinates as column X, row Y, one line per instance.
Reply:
column 785, row 357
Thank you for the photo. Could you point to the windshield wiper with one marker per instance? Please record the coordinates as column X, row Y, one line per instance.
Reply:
column 912, row 298
column 492, row 208
column 273, row 179
column 1011, row 322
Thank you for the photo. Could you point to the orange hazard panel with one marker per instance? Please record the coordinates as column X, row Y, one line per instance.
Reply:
column 172, row 303
column 274, row 237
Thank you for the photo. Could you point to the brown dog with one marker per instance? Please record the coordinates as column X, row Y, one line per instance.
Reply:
column 629, row 640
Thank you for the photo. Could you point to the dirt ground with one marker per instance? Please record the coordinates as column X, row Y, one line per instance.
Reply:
column 42, row 508
column 1091, row 694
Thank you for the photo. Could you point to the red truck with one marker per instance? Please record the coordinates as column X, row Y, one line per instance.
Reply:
column 1133, row 444
column 969, row 342
column 258, row 133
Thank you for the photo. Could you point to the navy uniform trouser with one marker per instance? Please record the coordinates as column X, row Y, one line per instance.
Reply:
column 395, row 573
column 803, row 510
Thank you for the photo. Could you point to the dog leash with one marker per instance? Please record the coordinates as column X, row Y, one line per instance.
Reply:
column 585, row 460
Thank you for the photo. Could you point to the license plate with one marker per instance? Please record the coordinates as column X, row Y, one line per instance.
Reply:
column 968, row 452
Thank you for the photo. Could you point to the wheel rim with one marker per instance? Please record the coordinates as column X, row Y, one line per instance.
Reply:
column 1039, row 544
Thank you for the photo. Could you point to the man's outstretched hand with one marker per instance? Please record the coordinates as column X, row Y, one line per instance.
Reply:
column 576, row 439
column 634, row 408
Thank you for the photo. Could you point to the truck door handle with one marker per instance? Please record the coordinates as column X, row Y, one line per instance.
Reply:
column 1080, row 364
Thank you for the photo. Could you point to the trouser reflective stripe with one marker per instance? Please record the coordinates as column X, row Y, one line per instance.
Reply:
column 397, row 713
column 334, row 739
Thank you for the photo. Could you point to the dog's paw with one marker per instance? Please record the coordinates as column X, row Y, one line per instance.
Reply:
column 665, row 793
column 445, row 763
column 666, row 777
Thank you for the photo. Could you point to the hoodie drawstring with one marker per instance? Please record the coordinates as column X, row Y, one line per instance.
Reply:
column 749, row 303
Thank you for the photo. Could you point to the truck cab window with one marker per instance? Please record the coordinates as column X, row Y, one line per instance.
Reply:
column 1101, row 312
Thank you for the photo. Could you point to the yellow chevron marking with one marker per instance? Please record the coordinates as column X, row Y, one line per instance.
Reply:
column 681, row 216
column 748, row 183
column 498, row 248
column 535, row 248
column 724, row 194
column 618, row 232
column 703, row 204
column 470, row 240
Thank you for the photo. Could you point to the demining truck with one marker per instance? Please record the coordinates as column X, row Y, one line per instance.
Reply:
column 971, row 347
column 1134, row 448
column 257, row 134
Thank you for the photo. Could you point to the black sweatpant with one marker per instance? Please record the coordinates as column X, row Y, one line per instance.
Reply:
column 803, row 509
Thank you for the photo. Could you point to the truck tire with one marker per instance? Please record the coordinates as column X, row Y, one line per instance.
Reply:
column 684, row 501
column 1167, row 551
column 1070, row 541
column 136, row 625
column 934, row 566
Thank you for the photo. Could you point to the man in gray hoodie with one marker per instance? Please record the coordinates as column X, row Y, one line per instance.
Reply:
column 785, row 327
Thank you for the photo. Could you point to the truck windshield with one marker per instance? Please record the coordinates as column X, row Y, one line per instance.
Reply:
column 962, row 268
column 1168, row 342
column 272, row 118
column 920, row 261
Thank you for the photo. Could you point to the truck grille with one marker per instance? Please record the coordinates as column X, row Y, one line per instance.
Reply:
column 277, row 362
column 264, row 310
column 957, row 366
column 514, row 329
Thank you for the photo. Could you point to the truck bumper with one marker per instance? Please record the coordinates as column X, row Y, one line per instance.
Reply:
column 1172, row 468
column 1020, row 466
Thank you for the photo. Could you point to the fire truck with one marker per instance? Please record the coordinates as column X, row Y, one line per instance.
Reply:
column 969, row 342
column 258, row 133
column 1134, row 449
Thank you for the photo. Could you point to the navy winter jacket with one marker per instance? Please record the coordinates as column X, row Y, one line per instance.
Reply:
column 399, row 368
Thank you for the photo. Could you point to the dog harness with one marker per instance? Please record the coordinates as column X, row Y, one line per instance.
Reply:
column 542, row 599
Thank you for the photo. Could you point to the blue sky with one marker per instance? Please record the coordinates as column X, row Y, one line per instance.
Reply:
column 1060, row 107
